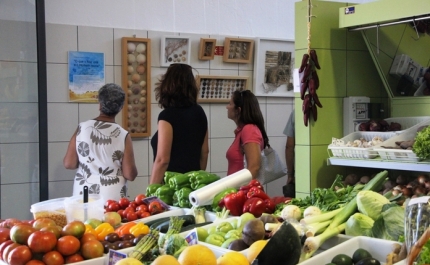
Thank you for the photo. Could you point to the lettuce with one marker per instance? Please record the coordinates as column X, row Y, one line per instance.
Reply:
column 359, row 224
column 421, row 145
column 390, row 224
column 370, row 203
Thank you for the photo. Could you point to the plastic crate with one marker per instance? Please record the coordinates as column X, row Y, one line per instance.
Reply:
column 358, row 152
column 400, row 154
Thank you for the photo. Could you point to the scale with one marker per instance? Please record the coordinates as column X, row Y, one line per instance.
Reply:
column 355, row 111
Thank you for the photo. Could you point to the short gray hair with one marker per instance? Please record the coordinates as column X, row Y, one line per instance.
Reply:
column 111, row 98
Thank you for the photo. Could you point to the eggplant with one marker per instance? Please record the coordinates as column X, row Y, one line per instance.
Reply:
column 284, row 248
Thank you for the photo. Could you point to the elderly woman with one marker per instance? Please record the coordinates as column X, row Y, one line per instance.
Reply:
column 250, row 135
column 102, row 151
column 181, row 141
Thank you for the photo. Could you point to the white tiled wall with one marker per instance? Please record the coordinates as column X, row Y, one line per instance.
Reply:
column 275, row 110
column 63, row 116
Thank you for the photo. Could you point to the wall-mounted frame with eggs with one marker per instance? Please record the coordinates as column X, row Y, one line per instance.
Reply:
column 136, row 81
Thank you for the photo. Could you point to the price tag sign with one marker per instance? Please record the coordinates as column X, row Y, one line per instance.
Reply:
column 115, row 256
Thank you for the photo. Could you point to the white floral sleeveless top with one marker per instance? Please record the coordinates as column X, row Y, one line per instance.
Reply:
column 100, row 147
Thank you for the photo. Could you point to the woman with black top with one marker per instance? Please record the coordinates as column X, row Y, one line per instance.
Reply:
column 181, row 141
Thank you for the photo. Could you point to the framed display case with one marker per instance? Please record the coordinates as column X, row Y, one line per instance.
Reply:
column 237, row 50
column 218, row 89
column 174, row 49
column 274, row 68
column 136, row 81
column 207, row 49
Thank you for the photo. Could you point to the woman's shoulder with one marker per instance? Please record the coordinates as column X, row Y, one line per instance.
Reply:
column 250, row 128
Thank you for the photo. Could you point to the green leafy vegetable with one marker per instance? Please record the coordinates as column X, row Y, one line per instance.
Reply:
column 359, row 224
column 421, row 145
column 390, row 224
column 370, row 203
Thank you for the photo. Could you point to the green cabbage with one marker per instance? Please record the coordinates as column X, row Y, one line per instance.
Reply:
column 391, row 223
column 370, row 203
column 359, row 224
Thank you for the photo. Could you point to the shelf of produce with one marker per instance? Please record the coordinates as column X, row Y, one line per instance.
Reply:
column 382, row 164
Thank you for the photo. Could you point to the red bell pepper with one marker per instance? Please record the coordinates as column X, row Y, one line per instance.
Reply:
column 257, row 192
column 252, row 183
column 234, row 202
column 270, row 206
column 254, row 205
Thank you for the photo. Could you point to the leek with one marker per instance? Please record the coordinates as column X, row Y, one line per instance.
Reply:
column 338, row 223
column 316, row 228
column 320, row 218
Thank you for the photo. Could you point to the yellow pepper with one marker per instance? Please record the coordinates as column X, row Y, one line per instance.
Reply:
column 103, row 229
column 139, row 229
column 90, row 230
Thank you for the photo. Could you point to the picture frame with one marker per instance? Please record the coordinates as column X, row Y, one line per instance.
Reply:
column 274, row 68
column 207, row 49
column 136, row 81
column 238, row 50
column 218, row 89
column 174, row 49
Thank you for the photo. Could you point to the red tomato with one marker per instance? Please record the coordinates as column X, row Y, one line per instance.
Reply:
column 19, row 255
column 108, row 202
column 10, row 222
column 133, row 205
column 92, row 249
column 113, row 207
column 19, row 233
column 8, row 249
column 3, row 246
column 155, row 207
column 128, row 210
column 123, row 203
column 131, row 216
column 143, row 214
column 121, row 212
column 43, row 222
column 142, row 207
column 68, row 245
column 54, row 229
column 53, row 258
column 4, row 234
column 42, row 241
column 35, row 262
column 87, row 237
column 74, row 258
column 139, row 199
column 74, row 228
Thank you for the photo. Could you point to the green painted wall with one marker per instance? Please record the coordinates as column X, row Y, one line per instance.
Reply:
column 347, row 69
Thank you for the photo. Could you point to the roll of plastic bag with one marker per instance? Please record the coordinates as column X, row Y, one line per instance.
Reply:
column 205, row 195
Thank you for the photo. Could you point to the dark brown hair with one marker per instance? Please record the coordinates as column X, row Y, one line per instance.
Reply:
column 250, row 111
column 177, row 87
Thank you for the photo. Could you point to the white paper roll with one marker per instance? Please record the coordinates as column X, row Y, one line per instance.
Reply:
column 205, row 195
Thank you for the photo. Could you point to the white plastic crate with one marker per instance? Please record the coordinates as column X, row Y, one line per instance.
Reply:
column 358, row 152
column 400, row 154
column 378, row 248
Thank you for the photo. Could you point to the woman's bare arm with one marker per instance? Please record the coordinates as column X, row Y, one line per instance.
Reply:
column 129, row 170
column 71, row 159
column 204, row 153
column 253, row 158
column 164, row 147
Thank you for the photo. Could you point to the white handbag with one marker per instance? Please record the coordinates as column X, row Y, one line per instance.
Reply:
column 271, row 167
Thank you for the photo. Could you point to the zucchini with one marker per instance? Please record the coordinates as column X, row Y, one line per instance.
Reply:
column 163, row 224
column 151, row 223
column 189, row 227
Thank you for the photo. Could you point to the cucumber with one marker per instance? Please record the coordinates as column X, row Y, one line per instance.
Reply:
column 150, row 223
column 189, row 227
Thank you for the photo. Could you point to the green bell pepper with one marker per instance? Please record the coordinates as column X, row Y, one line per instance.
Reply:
column 151, row 189
column 177, row 182
column 197, row 178
column 219, row 196
column 181, row 198
column 168, row 175
column 165, row 193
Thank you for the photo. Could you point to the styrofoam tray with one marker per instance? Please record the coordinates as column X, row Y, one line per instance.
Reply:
column 358, row 152
column 378, row 248
column 400, row 154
